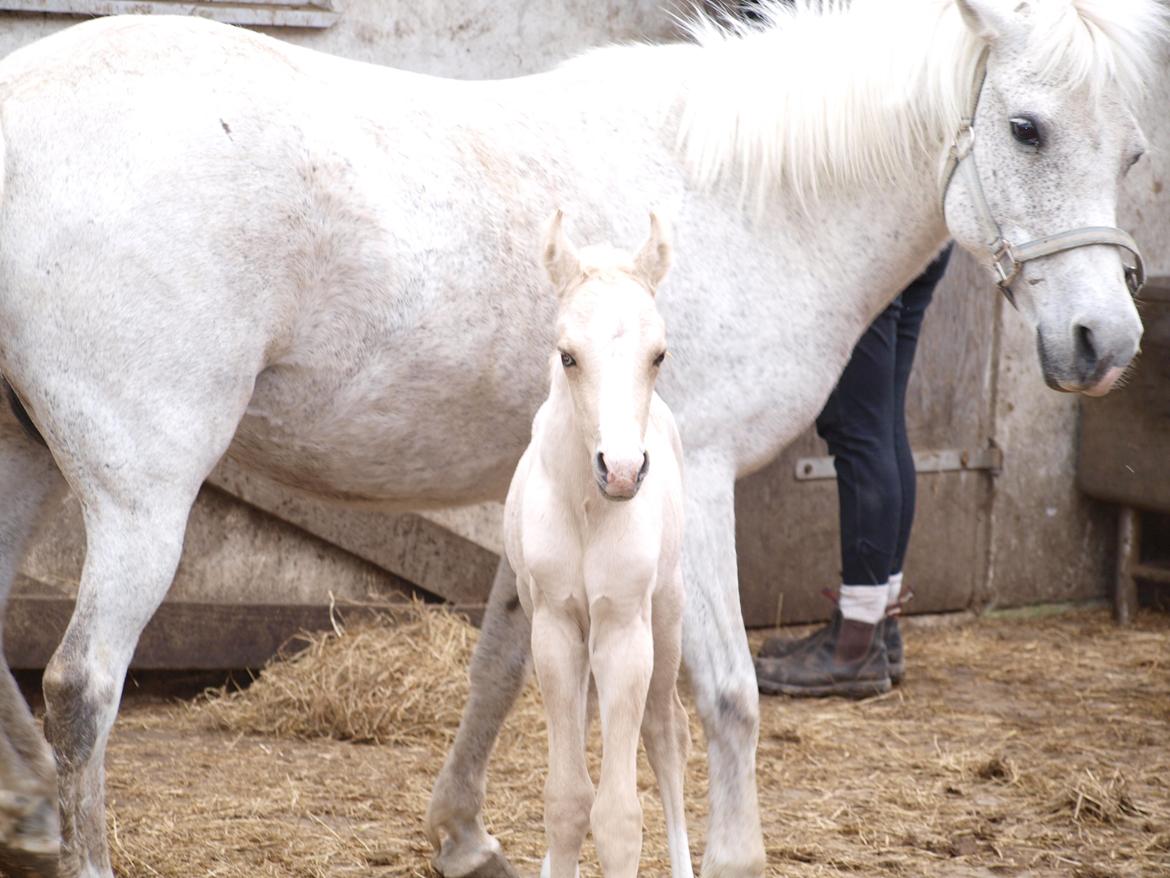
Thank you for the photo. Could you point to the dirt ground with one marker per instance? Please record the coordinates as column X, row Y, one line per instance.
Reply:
column 1036, row 745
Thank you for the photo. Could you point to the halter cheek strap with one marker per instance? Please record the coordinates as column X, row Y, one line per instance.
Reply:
column 1007, row 258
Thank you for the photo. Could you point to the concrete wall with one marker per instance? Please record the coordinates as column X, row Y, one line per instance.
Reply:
column 461, row 38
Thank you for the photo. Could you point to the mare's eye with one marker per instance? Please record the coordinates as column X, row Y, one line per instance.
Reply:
column 659, row 359
column 1026, row 131
column 567, row 360
column 1135, row 158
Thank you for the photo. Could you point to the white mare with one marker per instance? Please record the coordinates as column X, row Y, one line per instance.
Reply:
column 593, row 526
column 215, row 243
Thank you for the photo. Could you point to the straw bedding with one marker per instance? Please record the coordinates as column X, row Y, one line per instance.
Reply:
column 1018, row 746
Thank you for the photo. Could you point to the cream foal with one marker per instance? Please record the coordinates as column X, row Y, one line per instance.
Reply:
column 601, row 579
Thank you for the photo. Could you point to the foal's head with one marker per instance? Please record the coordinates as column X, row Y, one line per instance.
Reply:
column 611, row 343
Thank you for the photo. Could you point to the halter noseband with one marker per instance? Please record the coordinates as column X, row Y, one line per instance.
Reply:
column 1007, row 258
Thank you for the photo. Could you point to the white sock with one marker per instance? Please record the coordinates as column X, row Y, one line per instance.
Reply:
column 895, row 589
column 863, row 603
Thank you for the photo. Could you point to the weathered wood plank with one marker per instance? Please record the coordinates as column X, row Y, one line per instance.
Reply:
column 187, row 636
column 420, row 551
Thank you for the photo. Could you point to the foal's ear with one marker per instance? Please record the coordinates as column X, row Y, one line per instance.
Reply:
column 653, row 260
column 989, row 19
column 560, row 257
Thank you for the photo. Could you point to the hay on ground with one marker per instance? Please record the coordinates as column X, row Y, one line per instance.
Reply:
column 397, row 680
column 1016, row 747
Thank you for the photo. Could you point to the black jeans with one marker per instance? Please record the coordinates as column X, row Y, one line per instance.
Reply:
column 864, row 423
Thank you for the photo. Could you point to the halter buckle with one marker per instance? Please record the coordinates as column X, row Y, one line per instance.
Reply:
column 1006, row 266
column 1004, row 261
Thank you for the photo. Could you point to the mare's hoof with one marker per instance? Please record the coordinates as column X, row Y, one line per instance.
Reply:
column 495, row 866
column 29, row 843
column 487, row 863
column 28, row 864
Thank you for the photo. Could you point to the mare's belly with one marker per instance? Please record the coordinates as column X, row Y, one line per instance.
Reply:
column 411, row 431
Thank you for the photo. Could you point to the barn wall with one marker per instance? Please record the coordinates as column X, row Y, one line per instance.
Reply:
column 461, row 38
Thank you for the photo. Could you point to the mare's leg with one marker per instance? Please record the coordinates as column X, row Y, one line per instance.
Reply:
column 136, row 457
column 719, row 664
column 621, row 652
column 665, row 731
column 29, row 835
column 498, row 671
column 561, row 660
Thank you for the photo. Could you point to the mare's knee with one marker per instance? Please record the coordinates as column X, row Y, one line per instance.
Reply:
column 76, row 698
column 733, row 709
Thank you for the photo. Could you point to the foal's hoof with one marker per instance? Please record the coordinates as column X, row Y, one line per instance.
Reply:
column 484, row 863
column 29, row 842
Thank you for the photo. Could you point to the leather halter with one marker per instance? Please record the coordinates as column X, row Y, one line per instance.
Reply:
column 1007, row 258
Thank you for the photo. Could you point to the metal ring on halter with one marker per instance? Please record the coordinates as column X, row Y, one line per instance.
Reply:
column 964, row 140
column 1135, row 275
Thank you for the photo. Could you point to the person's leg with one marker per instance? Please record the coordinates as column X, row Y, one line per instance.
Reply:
column 915, row 299
column 858, row 426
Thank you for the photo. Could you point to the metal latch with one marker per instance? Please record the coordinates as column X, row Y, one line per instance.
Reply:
column 944, row 461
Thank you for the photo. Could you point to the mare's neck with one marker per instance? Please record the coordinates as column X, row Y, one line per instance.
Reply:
column 830, row 125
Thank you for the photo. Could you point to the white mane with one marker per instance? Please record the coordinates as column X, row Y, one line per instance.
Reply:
column 829, row 94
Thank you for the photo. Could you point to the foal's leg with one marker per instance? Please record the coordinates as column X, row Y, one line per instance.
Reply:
column 29, row 835
column 621, row 651
column 498, row 672
column 719, row 664
column 665, row 731
column 561, row 659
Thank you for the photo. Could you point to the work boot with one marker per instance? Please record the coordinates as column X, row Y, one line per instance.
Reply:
column 850, row 661
column 778, row 647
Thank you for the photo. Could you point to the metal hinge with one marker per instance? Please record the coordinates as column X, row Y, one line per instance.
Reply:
column 944, row 461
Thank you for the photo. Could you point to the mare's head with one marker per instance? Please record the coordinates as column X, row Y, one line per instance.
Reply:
column 1054, row 133
column 611, row 343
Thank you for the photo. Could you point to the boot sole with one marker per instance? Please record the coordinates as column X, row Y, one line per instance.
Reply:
column 846, row 689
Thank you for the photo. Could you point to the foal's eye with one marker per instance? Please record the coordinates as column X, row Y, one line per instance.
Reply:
column 1026, row 131
column 567, row 360
column 659, row 359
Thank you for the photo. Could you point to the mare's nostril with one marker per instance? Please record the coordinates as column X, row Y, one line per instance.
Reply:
column 1086, row 351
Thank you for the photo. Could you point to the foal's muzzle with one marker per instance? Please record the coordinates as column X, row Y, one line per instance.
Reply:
column 620, row 479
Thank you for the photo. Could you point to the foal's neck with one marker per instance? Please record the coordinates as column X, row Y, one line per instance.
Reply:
column 563, row 453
